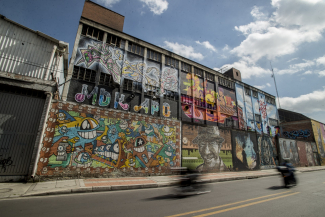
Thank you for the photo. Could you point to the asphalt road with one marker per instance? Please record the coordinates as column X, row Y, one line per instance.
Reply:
column 254, row 197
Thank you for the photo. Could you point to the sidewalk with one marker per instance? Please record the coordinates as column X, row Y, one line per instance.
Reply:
column 12, row 190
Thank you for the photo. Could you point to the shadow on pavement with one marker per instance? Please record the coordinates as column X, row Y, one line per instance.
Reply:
column 276, row 187
column 170, row 197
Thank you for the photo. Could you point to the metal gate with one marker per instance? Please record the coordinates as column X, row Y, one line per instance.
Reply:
column 20, row 115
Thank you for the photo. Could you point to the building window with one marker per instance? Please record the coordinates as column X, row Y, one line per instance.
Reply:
column 153, row 55
column 209, row 76
column 198, row 72
column 92, row 32
column 128, row 84
column 258, row 118
column 171, row 95
column 247, row 91
column 186, row 99
column 106, row 79
column 226, row 83
column 186, row 67
column 84, row 74
column 169, row 61
column 114, row 40
column 254, row 93
column 273, row 122
column 135, row 48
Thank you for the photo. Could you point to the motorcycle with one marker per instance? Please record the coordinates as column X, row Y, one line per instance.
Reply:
column 288, row 176
column 189, row 184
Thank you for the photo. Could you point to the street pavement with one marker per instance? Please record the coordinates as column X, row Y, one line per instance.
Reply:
column 14, row 190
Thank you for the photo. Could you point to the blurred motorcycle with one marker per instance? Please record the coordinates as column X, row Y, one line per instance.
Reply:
column 287, row 172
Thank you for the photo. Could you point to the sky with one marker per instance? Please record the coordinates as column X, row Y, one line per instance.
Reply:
column 248, row 35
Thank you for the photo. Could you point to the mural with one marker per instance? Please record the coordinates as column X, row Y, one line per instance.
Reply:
column 245, row 151
column 227, row 107
column 305, row 154
column 169, row 80
column 288, row 149
column 297, row 134
column 272, row 113
column 249, row 113
column 241, row 107
column 319, row 134
column 262, row 111
column 99, row 56
column 207, row 149
column 104, row 141
column 267, row 152
column 256, row 108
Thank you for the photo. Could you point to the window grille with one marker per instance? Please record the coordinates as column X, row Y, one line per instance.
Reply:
column 247, row 91
column 171, row 95
column 106, row 79
column 84, row 74
column 186, row 67
column 209, row 76
column 258, row 118
column 92, row 32
column 128, row 84
column 135, row 48
column 273, row 122
column 254, row 93
column 198, row 72
column 226, row 83
column 153, row 55
column 169, row 61
column 114, row 40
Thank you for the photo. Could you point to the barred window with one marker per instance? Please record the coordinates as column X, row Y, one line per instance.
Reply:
column 226, row 83
column 186, row 67
column 254, row 93
column 209, row 76
column 198, row 72
column 153, row 55
column 169, row 61
column 258, row 118
column 106, row 79
column 273, row 122
column 92, row 32
column 135, row 48
column 115, row 41
column 171, row 95
column 247, row 91
column 84, row 74
column 128, row 84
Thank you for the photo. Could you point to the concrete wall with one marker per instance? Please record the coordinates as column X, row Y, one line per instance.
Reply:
column 91, row 141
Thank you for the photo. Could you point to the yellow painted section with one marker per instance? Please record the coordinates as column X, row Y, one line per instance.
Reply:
column 319, row 138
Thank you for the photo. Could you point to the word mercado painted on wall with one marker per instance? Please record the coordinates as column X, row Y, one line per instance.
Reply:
column 207, row 149
column 105, row 100
column 245, row 151
column 92, row 141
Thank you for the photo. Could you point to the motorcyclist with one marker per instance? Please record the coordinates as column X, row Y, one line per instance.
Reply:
column 288, row 172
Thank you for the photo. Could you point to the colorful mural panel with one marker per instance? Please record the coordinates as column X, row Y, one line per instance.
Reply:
column 289, row 151
column 249, row 113
column 241, row 107
column 99, row 56
column 227, row 106
column 256, row 108
column 93, row 140
column 267, row 152
column 207, row 149
column 245, row 151
column 169, row 80
column 262, row 109
column 319, row 134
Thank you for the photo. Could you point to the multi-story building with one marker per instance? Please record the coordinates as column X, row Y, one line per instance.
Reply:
column 33, row 67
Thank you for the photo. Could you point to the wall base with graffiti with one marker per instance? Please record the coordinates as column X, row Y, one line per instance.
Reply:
column 82, row 140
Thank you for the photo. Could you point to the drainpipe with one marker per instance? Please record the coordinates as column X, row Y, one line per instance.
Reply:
column 49, row 97
column 50, row 63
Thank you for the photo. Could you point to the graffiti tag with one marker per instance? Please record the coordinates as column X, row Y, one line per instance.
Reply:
column 297, row 134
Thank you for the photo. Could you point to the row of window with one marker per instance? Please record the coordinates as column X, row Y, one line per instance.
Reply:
column 226, row 83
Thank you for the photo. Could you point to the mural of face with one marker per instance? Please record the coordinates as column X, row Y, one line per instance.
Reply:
column 210, row 153
column 123, row 124
column 250, row 153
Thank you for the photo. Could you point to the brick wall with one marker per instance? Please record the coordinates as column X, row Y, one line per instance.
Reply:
column 301, row 130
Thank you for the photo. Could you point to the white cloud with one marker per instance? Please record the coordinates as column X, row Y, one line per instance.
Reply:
column 225, row 48
column 248, row 70
column 294, row 68
column 292, row 60
column 307, row 72
column 156, row 6
column 321, row 73
column 183, row 50
column 107, row 3
column 207, row 45
column 257, row 14
column 268, row 84
column 308, row 103
column 260, row 86
column 321, row 60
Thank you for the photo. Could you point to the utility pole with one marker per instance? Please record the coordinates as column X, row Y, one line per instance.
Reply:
column 273, row 76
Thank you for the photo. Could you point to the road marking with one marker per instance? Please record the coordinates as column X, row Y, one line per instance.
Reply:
column 229, row 204
column 245, row 205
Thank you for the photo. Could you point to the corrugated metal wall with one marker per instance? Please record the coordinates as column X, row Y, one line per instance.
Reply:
column 23, row 52
column 19, row 121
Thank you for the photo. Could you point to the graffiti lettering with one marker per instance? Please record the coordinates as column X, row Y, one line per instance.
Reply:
column 297, row 134
column 119, row 101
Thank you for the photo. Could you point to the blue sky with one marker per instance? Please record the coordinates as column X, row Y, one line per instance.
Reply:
column 246, row 35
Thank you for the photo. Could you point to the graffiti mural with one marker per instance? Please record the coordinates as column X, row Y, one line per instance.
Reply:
column 319, row 134
column 262, row 111
column 169, row 80
column 207, row 149
column 272, row 113
column 305, row 154
column 289, row 151
column 227, row 106
column 249, row 113
column 241, row 107
column 267, row 152
column 297, row 134
column 245, row 151
column 256, row 107
column 100, row 140
column 99, row 56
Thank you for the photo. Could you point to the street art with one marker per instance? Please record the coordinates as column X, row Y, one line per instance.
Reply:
column 119, row 101
column 245, row 150
column 256, row 107
column 319, row 135
column 227, row 108
column 289, row 151
column 267, row 152
column 93, row 54
column 194, row 85
column 207, row 149
column 305, row 154
column 106, row 141
column 249, row 113
column 241, row 107
column 297, row 134
column 169, row 80
column 262, row 111
column 272, row 113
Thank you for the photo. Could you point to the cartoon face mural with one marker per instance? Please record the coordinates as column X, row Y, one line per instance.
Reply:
column 205, row 149
column 266, row 151
column 93, row 54
column 245, row 151
column 107, row 142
